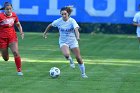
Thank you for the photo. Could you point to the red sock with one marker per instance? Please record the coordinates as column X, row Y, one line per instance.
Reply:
column 18, row 63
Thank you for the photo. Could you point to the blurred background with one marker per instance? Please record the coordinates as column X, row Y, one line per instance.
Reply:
column 93, row 16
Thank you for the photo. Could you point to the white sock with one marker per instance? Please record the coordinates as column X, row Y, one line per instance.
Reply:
column 70, row 59
column 82, row 68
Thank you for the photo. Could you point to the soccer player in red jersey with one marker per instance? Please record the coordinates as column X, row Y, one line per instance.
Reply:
column 8, row 37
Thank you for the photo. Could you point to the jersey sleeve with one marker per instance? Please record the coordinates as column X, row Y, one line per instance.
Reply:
column 74, row 23
column 0, row 18
column 55, row 23
column 135, row 19
column 16, row 18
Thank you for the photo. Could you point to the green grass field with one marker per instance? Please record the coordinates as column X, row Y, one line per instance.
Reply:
column 112, row 65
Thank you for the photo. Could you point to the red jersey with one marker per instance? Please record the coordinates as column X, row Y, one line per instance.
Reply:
column 7, row 25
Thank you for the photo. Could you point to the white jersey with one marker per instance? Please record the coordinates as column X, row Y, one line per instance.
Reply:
column 137, row 20
column 66, row 31
column 66, row 28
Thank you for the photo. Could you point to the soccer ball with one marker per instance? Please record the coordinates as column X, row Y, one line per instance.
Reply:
column 54, row 72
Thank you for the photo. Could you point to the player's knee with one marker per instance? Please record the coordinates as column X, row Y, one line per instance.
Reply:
column 6, row 59
column 79, row 60
column 66, row 56
column 15, row 54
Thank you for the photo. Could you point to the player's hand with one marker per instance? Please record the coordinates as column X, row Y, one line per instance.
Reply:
column 45, row 35
column 22, row 35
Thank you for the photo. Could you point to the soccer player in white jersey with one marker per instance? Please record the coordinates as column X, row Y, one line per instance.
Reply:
column 69, row 36
column 136, row 22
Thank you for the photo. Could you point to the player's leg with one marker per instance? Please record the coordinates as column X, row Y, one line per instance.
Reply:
column 4, row 48
column 65, row 50
column 139, row 41
column 138, row 37
column 5, row 54
column 14, row 48
column 76, row 52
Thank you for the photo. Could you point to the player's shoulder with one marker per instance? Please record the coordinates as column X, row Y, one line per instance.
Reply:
column 137, row 14
column 72, row 19
column 14, row 14
column 2, row 13
column 59, row 19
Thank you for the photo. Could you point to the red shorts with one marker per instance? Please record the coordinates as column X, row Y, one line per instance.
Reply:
column 4, row 42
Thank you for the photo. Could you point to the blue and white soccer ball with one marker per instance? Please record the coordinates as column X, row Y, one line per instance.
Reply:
column 54, row 72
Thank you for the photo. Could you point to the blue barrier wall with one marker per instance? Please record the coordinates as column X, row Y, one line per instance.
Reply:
column 89, row 11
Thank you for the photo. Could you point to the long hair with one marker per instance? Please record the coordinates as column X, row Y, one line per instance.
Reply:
column 67, row 8
column 5, row 5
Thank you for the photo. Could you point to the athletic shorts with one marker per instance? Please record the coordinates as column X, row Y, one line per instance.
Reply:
column 4, row 42
column 71, row 43
column 138, row 34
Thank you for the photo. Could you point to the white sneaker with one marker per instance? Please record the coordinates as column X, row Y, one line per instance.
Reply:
column 84, row 76
column 72, row 65
column 19, row 73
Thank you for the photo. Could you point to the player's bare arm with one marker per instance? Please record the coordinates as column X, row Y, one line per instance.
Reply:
column 20, row 29
column 136, row 24
column 77, row 33
column 46, row 30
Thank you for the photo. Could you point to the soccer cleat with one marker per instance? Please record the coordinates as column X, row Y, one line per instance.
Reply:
column 84, row 76
column 19, row 73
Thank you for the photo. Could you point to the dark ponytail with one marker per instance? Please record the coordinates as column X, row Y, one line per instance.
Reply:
column 6, row 4
column 2, row 8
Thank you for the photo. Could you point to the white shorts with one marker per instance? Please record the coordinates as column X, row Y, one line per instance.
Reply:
column 138, row 34
column 72, row 43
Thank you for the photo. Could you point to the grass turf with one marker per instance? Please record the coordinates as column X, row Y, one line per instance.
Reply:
column 112, row 64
